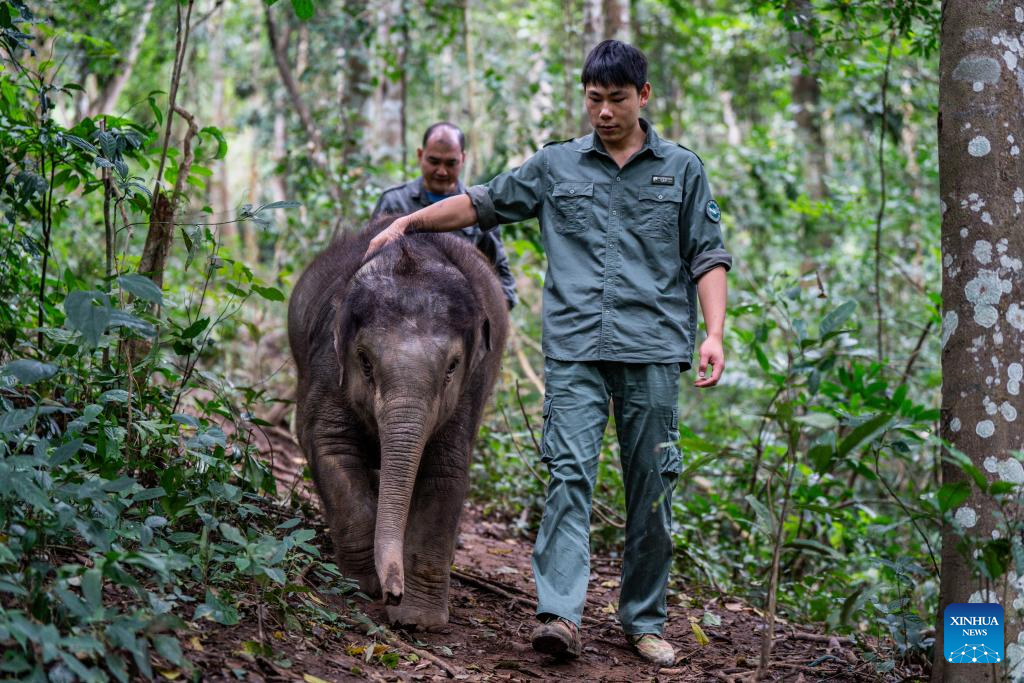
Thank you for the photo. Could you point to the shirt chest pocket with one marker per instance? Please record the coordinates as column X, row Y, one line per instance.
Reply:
column 574, row 206
column 659, row 211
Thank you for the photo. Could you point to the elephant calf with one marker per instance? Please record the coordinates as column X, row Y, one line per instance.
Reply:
column 396, row 358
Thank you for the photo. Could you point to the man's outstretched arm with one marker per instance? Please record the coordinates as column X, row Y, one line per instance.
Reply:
column 448, row 214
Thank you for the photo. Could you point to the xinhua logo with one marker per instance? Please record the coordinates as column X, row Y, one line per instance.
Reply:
column 972, row 633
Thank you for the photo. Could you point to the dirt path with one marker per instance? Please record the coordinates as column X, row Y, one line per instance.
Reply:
column 492, row 608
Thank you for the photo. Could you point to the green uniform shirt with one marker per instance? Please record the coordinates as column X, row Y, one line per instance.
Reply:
column 625, row 246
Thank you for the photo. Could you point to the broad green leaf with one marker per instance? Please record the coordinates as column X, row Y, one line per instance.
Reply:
column 817, row 420
column 868, row 429
column 289, row 204
column 92, row 588
column 835, row 318
column 28, row 371
column 132, row 322
column 149, row 494
column 766, row 521
column 952, row 494
column 88, row 312
column 232, row 534
column 269, row 293
column 822, row 452
column 169, row 648
column 65, row 452
column 80, row 143
column 814, row 546
column 276, row 575
column 114, row 396
column 142, row 287
column 303, row 9
column 13, row 420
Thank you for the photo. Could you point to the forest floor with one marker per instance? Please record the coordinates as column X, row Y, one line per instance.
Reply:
column 492, row 615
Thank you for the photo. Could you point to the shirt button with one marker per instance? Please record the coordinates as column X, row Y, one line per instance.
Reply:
column 572, row 191
column 618, row 179
column 614, row 212
column 661, row 196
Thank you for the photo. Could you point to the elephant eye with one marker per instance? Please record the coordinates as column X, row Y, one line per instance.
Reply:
column 450, row 372
column 366, row 365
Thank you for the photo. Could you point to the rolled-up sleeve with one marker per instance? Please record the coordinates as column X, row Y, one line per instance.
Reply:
column 512, row 196
column 700, row 236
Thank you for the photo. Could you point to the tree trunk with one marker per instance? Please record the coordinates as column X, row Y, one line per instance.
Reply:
column 111, row 90
column 220, row 189
column 387, row 100
column 980, row 177
column 357, row 87
column 472, row 139
column 593, row 24
column 616, row 20
column 806, row 95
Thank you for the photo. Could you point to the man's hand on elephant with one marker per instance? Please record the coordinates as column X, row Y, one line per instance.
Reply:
column 711, row 353
column 389, row 234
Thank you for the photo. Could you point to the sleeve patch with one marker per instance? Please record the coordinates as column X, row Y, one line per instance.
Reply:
column 714, row 213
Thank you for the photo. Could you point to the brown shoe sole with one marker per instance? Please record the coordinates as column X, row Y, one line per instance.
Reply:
column 556, row 641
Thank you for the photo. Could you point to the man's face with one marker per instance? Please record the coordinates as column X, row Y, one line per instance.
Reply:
column 441, row 162
column 614, row 111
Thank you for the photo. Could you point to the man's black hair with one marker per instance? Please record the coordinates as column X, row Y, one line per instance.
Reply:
column 614, row 63
column 445, row 124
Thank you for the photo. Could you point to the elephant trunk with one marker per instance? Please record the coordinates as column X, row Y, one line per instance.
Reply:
column 403, row 436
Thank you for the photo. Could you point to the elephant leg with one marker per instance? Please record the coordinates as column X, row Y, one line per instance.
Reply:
column 430, row 535
column 347, row 488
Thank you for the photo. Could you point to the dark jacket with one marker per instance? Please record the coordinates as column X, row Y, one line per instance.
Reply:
column 404, row 199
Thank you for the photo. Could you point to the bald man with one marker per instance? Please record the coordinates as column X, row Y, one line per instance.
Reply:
column 441, row 159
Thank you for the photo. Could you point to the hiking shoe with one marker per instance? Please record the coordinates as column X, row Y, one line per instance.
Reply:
column 557, row 637
column 653, row 648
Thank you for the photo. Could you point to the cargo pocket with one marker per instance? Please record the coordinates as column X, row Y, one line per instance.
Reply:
column 574, row 207
column 545, row 438
column 671, row 458
column 659, row 211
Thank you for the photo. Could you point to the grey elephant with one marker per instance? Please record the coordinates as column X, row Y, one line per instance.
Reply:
column 396, row 358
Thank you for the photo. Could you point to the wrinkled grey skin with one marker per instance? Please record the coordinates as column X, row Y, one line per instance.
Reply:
column 396, row 359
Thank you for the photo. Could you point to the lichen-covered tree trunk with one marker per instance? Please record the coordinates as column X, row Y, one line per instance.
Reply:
column 806, row 95
column 981, row 126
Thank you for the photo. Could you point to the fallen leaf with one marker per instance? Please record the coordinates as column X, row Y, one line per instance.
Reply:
column 734, row 607
column 499, row 551
column 611, row 608
column 610, row 583
column 354, row 650
column 196, row 644
column 698, row 632
column 310, row 678
column 170, row 675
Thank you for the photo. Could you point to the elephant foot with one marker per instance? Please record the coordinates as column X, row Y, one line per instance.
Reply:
column 419, row 617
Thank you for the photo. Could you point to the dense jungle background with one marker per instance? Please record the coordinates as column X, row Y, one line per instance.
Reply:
column 168, row 168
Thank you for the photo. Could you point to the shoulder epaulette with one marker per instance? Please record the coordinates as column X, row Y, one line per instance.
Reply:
column 691, row 152
column 558, row 142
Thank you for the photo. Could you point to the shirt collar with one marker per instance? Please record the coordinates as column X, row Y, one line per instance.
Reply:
column 419, row 192
column 592, row 142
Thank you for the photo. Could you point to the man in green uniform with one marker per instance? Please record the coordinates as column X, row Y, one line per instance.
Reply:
column 632, row 237
column 441, row 159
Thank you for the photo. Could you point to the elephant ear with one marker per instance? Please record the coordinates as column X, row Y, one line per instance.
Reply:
column 482, row 344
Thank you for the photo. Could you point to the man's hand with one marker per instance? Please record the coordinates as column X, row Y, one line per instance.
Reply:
column 711, row 353
column 389, row 234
